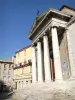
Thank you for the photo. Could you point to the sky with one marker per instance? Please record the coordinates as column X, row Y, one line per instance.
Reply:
column 16, row 19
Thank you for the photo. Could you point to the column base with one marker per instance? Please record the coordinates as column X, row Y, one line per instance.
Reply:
column 34, row 82
column 40, row 81
column 71, row 79
column 48, row 81
column 59, row 81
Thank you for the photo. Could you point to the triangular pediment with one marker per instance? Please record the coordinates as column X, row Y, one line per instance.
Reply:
column 38, row 20
column 44, row 18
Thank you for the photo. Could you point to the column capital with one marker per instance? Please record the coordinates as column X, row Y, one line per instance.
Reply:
column 33, row 45
column 66, row 29
column 44, row 34
column 39, row 39
column 55, row 26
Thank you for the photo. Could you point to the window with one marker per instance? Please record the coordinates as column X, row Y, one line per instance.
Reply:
column 4, row 72
column 26, row 82
column 9, row 79
column 9, row 66
column 4, row 78
column 15, row 71
column 5, row 66
column 9, row 71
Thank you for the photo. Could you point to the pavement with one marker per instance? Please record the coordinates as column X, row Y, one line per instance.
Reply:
column 46, row 91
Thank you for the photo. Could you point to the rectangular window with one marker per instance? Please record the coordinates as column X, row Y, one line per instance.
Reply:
column 5, row 66
column 9, row 66
column 9, row 71
column 26, row 82
column 4, row 72
column 4, row 78
column 9, row 79
column 16, row 72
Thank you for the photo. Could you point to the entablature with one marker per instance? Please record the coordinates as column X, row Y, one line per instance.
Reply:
column 46, row 29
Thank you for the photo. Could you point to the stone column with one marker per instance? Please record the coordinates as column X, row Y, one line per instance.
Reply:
column 34, row 79
column 39, row 62
column 46, row 59
column 17, row 85
column 24, row 83
column 56, row 54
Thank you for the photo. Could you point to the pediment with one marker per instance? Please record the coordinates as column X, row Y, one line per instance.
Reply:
column 43, row 19
column 38, row 20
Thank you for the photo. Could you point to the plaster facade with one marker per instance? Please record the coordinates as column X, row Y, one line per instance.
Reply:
column 6, row 71
column 22, row 68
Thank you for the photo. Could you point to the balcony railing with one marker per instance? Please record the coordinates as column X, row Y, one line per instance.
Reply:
column 29, row 62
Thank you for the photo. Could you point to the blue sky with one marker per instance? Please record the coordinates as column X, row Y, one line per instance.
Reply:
column 16, row 18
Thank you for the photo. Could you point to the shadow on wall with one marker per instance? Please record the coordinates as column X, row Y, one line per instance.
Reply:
column 5, row 95
column 5, row 91
column 1, row 85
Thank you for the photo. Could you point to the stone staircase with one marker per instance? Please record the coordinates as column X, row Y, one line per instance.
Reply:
column 47, row 91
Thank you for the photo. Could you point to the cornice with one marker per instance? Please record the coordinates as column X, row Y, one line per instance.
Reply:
column 23, row 48
column 71, row 22
column 6, row 61
column 52, row 23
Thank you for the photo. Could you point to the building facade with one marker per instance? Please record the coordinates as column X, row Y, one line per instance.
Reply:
column 6, row 71
column 53, row 47
column 22, row 68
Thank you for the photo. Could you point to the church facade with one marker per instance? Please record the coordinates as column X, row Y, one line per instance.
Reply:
column 53, row 45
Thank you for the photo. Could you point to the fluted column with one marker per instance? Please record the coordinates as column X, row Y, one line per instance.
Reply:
column 46, row 59
column 34, row 64
column 39, row 62
column 56, row 54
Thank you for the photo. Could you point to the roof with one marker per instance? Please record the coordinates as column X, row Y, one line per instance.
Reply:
column 6, row 61
column 23, row 48
column 65, row 6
